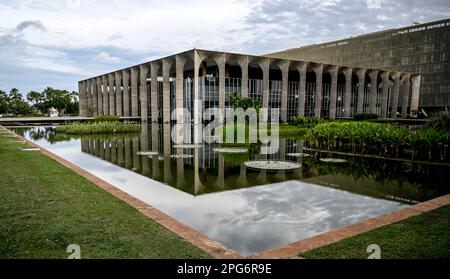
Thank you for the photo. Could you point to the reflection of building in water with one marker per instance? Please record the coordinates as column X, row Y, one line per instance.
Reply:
column 208, row 171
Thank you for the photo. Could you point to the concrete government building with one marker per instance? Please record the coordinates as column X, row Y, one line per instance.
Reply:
column 390, row 73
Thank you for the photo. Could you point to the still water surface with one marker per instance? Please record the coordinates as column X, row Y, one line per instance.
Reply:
column 246, row 210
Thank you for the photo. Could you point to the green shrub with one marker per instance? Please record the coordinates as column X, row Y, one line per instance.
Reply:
column 99, row 128
column 439, row 122
column 365, row 116
column 106, row 118
column 307, row 120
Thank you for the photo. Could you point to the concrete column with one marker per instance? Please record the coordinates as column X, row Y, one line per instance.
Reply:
column 179, row 87
column 361, row 85
column 265, row 66
column 385, row 95
column 82, row 98
column 302, row 88
column 197, row 101
column 89, row 97
column 318, row 98
column 348, row 92
column 284, row 92
column 373, row 91
column 105, row 92
column 221, row 61
column 118, row 93
column 94, row 97
column 144, row 91
column 333, row 93
column 134, row 92
column 416, row 82
column 406, row 89
column 126, row 93
column 395, row 94
column 112, row 98
column 99, row 97
column 154, row 90
column 243, row 63
column 166, row 65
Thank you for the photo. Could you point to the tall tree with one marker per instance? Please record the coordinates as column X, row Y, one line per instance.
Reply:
column 4, row 102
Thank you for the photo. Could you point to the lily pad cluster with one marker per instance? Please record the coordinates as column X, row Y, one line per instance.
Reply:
column 231, row 150
column 272, row 165
column 333, row 160
column 182, row 156
column 298, row 155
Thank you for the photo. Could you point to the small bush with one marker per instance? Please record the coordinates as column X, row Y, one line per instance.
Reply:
column 365, row 116
column 307, row 120
column 99, row 128
column 106, row 118
column 439, row 122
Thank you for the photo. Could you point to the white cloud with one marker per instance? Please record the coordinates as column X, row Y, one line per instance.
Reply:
column 107, row 58
column 83, row 37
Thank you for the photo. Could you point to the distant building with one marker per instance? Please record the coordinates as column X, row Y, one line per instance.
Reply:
column 421, row 48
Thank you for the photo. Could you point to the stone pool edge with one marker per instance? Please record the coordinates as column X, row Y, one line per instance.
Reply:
column 210, row 246
column 219, row 251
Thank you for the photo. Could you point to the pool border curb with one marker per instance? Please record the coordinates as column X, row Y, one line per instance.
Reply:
column 218, row 250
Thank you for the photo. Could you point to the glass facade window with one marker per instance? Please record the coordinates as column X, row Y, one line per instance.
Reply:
column 366, row 106
column 255, row 89
column 340, row 100
column 310, row 99
column 292, row 104
column 276, row 87
column 232, row 85
column 354, row 100
column 209, row 91
column 325, row 107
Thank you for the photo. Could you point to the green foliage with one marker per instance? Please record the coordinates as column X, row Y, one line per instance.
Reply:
column 365, row 116
column 307, row 120
column 107, row 118
column 382, row 139
column 440, row 122
column 99, row 128
column 14, row 104
column 62, row 100
column 237, row 101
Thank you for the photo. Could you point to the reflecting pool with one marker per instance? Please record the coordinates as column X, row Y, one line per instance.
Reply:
column 247, row 210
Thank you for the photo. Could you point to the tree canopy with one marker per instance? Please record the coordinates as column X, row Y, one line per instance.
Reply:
column 14, row 104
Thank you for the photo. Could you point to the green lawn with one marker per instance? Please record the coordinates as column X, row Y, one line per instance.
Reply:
column 44, row 207
column 423, row 236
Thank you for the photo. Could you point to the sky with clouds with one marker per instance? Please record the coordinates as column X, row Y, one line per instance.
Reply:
column 56, row 43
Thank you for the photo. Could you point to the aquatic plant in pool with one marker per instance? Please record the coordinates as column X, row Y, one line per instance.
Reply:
column 99, row 128
column 382, row 139
column 269, row 165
